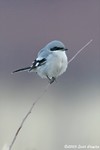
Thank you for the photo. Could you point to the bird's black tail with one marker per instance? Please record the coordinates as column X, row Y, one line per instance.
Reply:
column 22, row 69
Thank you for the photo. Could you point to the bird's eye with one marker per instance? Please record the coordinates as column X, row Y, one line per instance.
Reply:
column 56, row 48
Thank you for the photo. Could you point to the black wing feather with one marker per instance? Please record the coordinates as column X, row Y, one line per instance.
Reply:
column 37, row 63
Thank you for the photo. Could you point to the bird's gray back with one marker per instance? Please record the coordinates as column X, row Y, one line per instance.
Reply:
column 44, row 53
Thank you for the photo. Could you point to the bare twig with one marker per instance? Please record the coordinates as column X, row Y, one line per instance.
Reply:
column 79, row 51
column 26, row 116
column 45, row 90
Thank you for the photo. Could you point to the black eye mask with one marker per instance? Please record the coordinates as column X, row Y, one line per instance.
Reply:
column 58, row 48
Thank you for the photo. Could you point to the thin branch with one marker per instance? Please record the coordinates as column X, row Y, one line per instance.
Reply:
column 79, row 51
column 45, row 90
column 26, row 116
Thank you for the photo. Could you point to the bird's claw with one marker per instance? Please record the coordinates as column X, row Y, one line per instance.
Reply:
column 52, row 80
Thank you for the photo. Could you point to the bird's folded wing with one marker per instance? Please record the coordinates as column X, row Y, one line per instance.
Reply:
column 37, row 63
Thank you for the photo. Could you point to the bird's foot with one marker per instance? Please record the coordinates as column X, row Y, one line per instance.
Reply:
column 51, row 80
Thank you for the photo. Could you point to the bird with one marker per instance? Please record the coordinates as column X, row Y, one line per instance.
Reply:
column 51, row 61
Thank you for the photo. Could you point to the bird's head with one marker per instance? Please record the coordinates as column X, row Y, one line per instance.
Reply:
column 56, row 46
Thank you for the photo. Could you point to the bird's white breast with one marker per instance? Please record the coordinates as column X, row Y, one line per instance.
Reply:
column 62, row 62
column 55, row 65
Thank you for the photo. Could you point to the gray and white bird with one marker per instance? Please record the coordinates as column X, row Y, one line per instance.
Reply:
column 51, row 61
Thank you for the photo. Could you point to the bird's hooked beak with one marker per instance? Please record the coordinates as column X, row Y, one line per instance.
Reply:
column 66, row 49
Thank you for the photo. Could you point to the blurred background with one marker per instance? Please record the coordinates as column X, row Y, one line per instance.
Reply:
column 69, row 112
